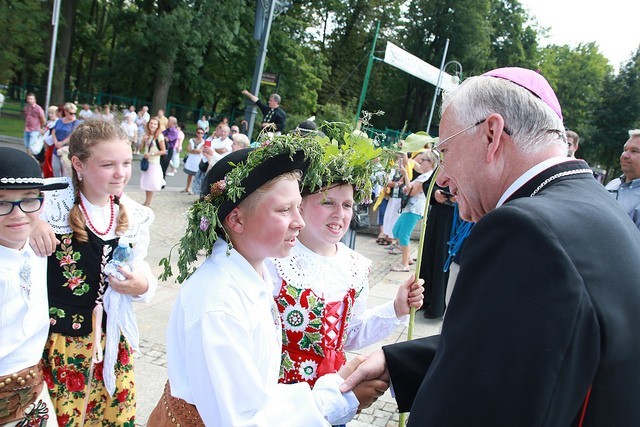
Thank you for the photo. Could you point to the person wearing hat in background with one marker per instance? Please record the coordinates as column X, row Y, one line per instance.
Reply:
column 224, row 336
column 24, row 308
column 540, row 329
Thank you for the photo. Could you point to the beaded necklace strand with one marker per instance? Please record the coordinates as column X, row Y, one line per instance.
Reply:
column 88, row 218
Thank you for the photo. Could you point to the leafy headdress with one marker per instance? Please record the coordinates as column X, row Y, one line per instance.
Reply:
column 347, row 159
column 229, row 182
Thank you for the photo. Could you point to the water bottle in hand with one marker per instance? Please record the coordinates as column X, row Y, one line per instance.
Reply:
column 122, row 257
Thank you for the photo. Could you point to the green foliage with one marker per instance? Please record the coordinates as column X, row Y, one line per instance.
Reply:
column 24, row 39
column 332, row 112
column 513, row 41
column 201, row 53
column 618, row 111
column 204, row 226
column 347, row 158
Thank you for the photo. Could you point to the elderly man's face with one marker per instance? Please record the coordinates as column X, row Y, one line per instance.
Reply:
column 273, row 103
column 630, row 158
column 223, row 132
column 465, row 169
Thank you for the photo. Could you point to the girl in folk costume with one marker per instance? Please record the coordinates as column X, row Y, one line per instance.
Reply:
column 224, row 338
column 323, row 285
column 88, row 356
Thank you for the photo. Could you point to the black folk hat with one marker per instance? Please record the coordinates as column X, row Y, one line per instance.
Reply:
column 20, row 171
column 260, row 174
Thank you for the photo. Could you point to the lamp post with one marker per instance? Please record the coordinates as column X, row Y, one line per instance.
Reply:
column 443, row 69
column 266, row 10
column 55, row 18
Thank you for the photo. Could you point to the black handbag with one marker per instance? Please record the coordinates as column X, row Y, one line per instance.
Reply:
column 404, row 198
column 360, row 219
column 144, row 164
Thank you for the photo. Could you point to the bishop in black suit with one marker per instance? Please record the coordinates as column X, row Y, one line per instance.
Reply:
column 542, row 325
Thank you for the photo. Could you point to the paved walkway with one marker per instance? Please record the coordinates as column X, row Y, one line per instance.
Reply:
column 169, row 206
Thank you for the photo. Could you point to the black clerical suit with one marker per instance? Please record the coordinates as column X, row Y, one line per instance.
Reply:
column 277, row 116
column 545, row 311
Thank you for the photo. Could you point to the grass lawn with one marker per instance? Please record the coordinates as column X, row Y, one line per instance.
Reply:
column 11, row 121
column 11, row 126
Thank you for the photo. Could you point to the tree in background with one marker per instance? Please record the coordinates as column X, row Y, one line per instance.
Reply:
column 617, row 112
column 201, row 53
column 25, row 40
column 577, row 75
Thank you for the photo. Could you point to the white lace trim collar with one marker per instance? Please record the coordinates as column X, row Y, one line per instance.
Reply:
column 58, row 204
column 304, row 269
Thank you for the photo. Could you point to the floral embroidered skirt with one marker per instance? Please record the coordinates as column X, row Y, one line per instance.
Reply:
column 67, row 363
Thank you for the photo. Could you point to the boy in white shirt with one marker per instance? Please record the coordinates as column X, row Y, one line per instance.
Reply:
column 24, row 309
column 224, row 336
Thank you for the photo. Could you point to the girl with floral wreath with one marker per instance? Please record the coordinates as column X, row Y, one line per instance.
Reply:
column 88, row 356
column 323, row 285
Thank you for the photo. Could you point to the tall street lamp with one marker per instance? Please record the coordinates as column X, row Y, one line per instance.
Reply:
column 266, row 10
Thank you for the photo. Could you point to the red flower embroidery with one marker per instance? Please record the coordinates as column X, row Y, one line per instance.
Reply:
column 48, row 378
column 61, row 375
column 74, row 282
column 122, row 396
column 66, row 241
column 75, row 381
column 63, row 419
column 123, row 356
column 67, row 260
column 97, row 372
column 91, row 406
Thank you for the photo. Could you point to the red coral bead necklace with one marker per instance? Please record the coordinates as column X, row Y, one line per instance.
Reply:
column 88, row 218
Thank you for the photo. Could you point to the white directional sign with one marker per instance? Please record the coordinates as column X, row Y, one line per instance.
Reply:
column 415, row 66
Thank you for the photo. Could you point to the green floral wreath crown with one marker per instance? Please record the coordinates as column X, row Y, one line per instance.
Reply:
column 203, row 225
column 347, row 158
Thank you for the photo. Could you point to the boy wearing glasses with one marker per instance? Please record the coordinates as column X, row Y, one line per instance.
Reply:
column 24, row 317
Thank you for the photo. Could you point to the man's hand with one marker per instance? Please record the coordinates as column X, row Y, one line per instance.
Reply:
column 373, row 368
column 249, row 95
column 440, row 196
column 351, row 366
column 410, row 294
column 43, row 240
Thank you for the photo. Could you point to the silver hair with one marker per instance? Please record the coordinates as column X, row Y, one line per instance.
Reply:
column 276, row 97
column 634, row 132
column 532, row 124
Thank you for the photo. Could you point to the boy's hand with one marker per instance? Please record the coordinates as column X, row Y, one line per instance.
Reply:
column 368, row 391
column 43, row 240
column 410, row 294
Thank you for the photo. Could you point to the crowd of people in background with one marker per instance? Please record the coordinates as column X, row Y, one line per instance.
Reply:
column 93, row 216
